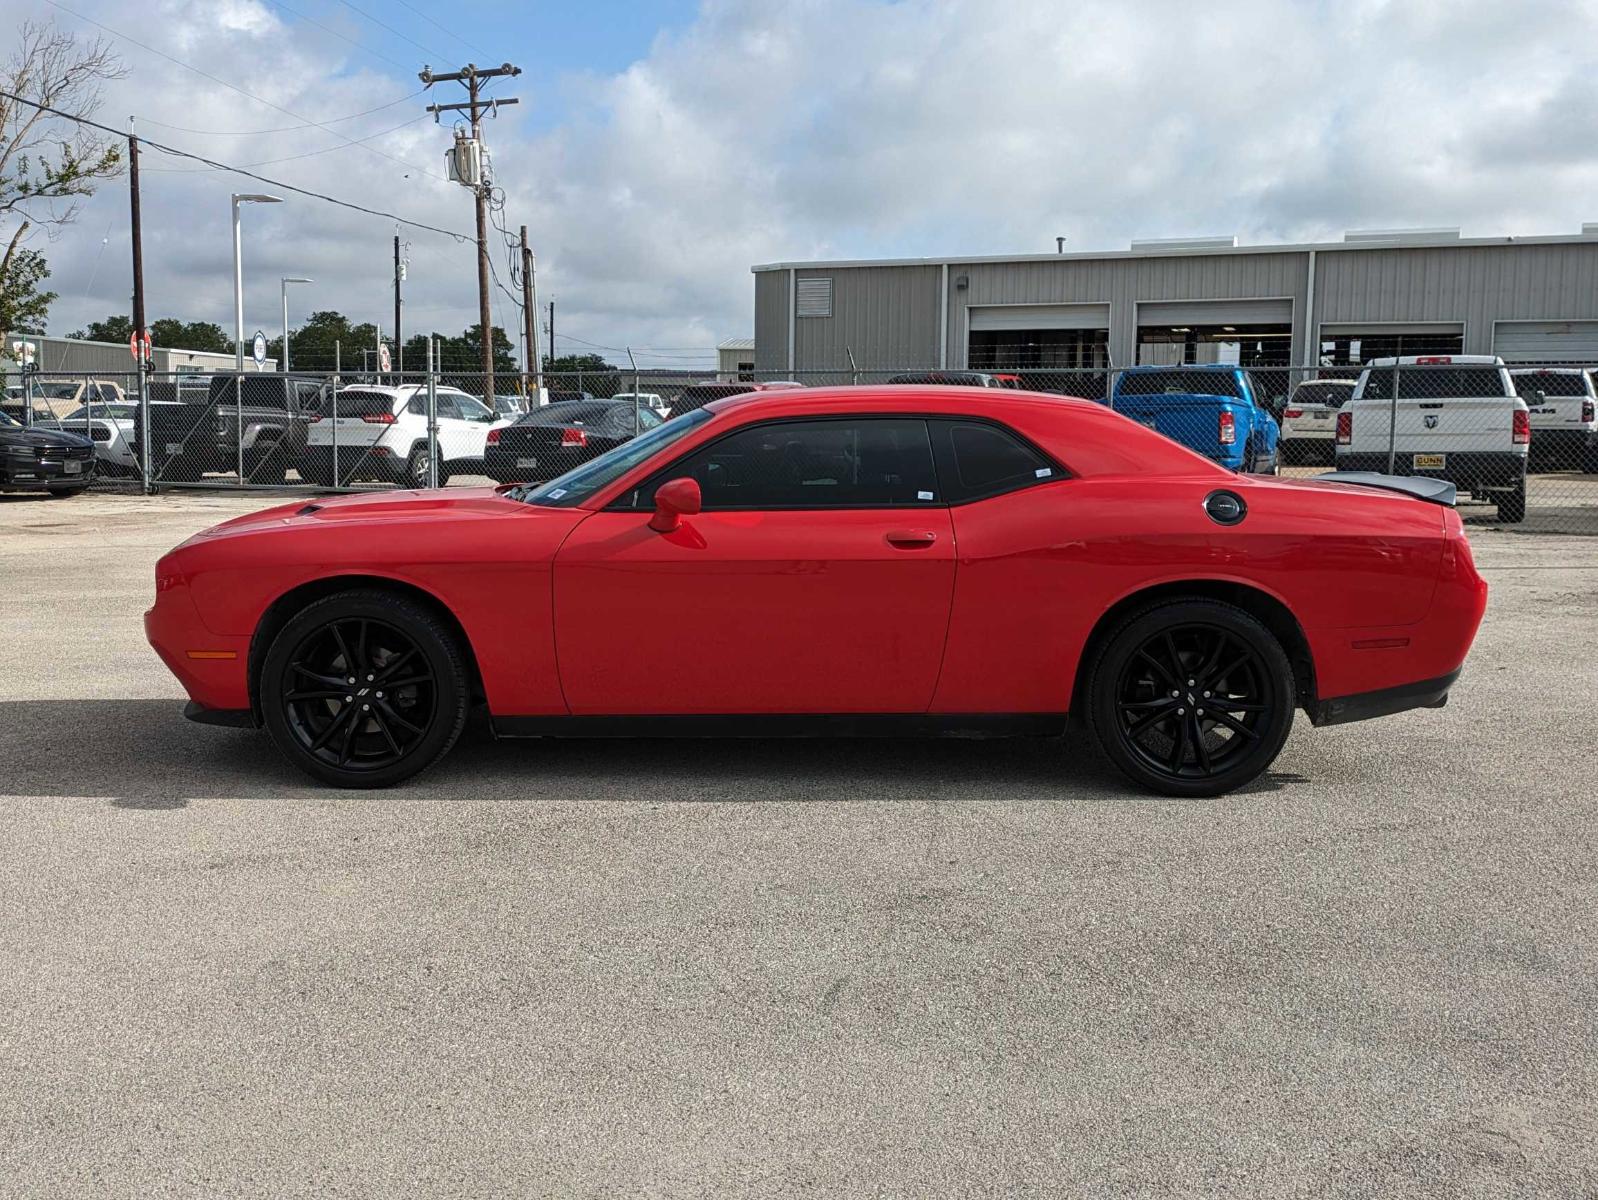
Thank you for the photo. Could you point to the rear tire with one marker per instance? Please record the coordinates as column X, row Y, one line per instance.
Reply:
column 370, row 735
column 1512, row 505
column 1191, row 697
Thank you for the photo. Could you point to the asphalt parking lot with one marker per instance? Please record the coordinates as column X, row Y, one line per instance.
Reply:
column 762, row 968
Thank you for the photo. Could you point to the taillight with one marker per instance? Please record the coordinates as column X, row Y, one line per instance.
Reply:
column 1345, row 428
column 378, row 418
column 570, row 438
column 1587, row 415
column 1293, row 413
column 1522, row 428
column 493, row 437
column 1228, row 431
column 313, row 418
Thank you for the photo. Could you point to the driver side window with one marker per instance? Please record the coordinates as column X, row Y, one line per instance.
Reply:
column 858, row 463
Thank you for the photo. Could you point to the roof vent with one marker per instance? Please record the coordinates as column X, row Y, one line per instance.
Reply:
column 1155, row 245
column 1589, row 229
column 1435, row 234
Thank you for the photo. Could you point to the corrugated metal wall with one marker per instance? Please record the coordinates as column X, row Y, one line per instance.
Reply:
column 1122, row 283
column 771, row 322
column 1474, row 284
column 889, row 314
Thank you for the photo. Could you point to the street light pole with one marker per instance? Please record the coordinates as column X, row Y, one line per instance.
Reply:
column 285, row 281
column 238, row 272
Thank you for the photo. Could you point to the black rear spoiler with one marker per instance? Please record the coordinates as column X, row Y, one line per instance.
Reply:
column 1422, row 487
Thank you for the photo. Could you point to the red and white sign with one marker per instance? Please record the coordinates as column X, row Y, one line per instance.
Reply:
column 135, row 339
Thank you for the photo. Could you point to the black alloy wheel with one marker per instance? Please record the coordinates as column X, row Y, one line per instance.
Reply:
column 364, row 689
column 1192, row 697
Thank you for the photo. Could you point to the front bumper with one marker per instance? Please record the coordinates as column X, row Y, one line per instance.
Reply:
column 1468, row 470
column 213, row 668
column 53, row 471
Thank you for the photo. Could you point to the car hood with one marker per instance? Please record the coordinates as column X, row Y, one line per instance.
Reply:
column 376, row 508
column 41, row 438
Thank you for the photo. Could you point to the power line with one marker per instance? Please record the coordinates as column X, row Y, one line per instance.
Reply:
column 341, row 37
column 221, row 166
column 282, row 128
column 266, row 162
column 225, row 83
column 446, row 29
column 385, row 25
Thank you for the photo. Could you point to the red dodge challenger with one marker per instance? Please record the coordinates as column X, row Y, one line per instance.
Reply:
column 906, row 559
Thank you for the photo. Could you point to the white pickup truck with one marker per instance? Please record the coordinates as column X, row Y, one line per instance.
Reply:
column 1564, row 416
column 1453, row 417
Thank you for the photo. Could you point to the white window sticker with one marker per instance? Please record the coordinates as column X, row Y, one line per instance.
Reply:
column 1043, row 472
column 923, row 495
column 557, row 493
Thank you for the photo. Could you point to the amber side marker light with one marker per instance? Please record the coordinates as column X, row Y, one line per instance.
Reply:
column 213, row 653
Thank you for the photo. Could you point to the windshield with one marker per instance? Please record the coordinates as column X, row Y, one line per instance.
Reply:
column 5, row 419
column 115, row 412
column 572, row 488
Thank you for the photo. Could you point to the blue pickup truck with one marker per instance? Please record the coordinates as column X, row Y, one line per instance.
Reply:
column 1211, row 409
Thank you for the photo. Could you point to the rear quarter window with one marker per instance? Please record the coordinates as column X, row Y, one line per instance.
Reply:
column 977, row 460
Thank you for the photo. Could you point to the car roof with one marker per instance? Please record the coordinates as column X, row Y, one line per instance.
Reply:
column 1147, row 367
column 1336, row 382
column 1550, row 370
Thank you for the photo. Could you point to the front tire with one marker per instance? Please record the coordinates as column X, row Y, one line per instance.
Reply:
column 364, row 689
column 1191, row 697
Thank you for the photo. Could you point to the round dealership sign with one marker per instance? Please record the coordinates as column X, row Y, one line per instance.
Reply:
column 258, row 349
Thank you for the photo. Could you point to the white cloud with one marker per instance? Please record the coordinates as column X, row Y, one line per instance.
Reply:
column 770, row 131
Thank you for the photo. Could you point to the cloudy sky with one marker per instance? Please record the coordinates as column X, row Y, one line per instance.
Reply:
column 663, row 146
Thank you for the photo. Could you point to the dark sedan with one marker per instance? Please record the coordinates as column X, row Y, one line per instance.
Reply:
column 552, row 440
column 48, row 460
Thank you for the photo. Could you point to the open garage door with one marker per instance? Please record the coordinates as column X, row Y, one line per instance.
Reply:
column 1352, row 343
column 1546, row 341
column 1252, row 333
column 1027, row 337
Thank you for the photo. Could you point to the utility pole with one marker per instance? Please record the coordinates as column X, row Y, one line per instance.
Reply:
column 535, row 365
column 138, row 240
column 138, row 313
column 399, row 343
column 480, row 185
column 552, row 331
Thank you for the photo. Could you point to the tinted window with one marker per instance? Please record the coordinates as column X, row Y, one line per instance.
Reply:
column 1432, row 383
column 1164, row 383
column 977, row 460
column 574, row 412
column 875, row 463
column 1330, row 394
column 355, row 402
column 1550, row 384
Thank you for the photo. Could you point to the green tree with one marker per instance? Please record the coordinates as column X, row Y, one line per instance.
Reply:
column 46, row 164
column 115, row 328
column 582, row 372
column 23, row 306
column 191, row 335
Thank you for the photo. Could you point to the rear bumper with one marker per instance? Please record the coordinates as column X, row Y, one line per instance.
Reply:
column 1468, row 470
column 1384, row 702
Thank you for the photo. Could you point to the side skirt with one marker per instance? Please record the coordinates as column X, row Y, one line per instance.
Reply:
column 786, row 725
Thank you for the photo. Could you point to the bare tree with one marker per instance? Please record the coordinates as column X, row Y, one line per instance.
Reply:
column 47, row 164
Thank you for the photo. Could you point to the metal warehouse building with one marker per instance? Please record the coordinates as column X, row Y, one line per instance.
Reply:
column 1203, row 300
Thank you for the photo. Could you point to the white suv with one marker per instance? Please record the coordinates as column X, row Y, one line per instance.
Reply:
column 1564, row 416
column 1453, row 417
column 377, row 432
column 1308, row 419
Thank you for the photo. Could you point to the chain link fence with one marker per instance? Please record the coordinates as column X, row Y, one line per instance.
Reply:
column 1520, row 442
